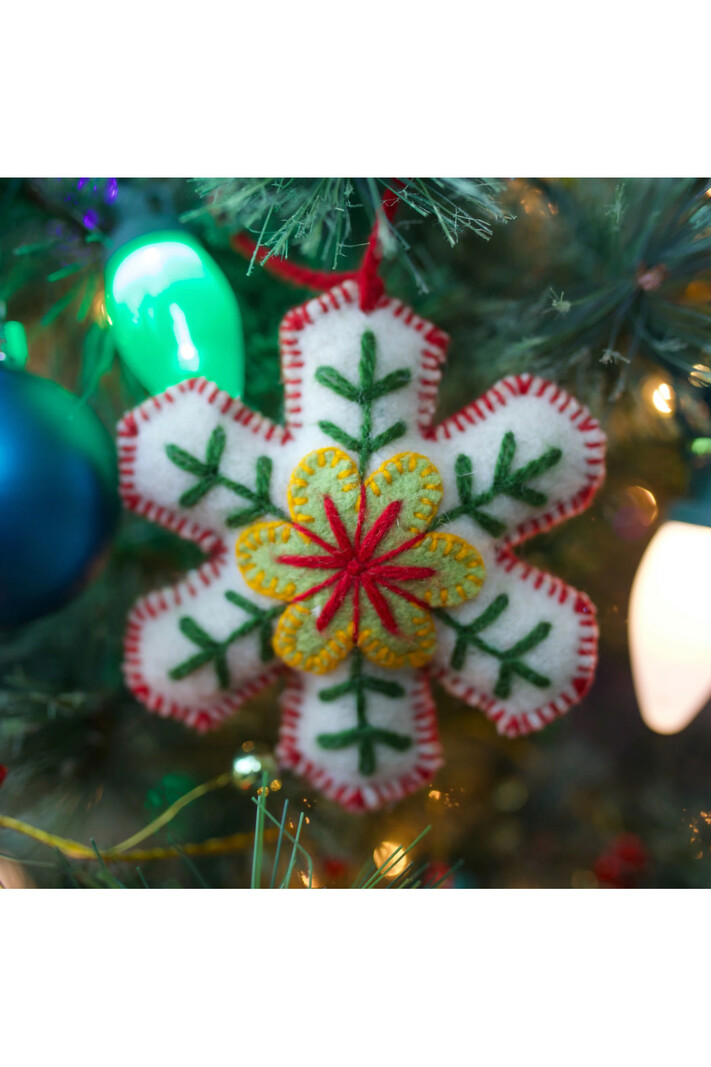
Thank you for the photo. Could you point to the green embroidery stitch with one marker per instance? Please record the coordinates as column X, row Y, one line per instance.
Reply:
column 213, row 651
column 208, row 476
column 364, row 394
column 506, row 482
column 364, row 735
column 511, row 664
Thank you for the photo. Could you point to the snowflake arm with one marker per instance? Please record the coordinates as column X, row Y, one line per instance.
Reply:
column 524, row 652
column 365, row 737
column 520, row 459
column 197, row 650
column 199, row 462
column 327, row 335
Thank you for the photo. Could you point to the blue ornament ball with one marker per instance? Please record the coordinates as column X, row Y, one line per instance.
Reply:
column 59, row 504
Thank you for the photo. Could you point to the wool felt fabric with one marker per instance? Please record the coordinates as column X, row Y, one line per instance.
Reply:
column 362, row 550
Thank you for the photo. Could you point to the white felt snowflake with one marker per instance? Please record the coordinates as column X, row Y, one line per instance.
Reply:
column 362, row 550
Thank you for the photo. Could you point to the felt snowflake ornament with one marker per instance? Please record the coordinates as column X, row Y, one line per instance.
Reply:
column 362, row 550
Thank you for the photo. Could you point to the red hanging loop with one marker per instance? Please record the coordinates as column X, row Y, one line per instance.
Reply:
column 367, row 276
column 370, row 284
column 286, row 269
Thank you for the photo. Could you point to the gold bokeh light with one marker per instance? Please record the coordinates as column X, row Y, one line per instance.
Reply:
column 659, row 396
column 383, row 852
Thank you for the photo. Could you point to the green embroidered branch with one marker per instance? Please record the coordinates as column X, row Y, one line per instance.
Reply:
column 365, row 393
column 506, row 482
column 364, row 734
column 208, row 476
column 213, row 651
column 511, row 664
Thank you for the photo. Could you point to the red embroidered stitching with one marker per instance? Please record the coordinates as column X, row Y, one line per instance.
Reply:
column 356, row 568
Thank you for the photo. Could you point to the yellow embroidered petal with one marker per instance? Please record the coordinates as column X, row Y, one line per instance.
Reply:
column 412, row 646
column 459, row 569
column 411, row 479
column 301, row 646
column 324, row 472
column 258, row 549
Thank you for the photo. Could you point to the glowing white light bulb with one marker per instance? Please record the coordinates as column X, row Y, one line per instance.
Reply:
column 662, row 399
column 670, row 627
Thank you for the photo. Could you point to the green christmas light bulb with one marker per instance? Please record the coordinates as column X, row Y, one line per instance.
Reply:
column 173, row 313
column 13, row 344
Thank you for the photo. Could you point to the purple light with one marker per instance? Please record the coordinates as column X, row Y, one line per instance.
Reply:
column 91, row 220
column 111, row 190
column 81, row 183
